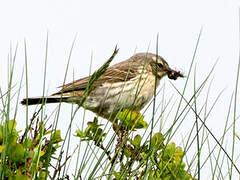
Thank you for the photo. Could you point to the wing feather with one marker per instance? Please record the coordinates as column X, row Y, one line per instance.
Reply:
column 120, row 72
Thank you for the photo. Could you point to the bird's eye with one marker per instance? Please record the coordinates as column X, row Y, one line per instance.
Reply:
column 160, row 65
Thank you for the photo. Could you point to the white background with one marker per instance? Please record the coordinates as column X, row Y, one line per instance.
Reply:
column 133, row 26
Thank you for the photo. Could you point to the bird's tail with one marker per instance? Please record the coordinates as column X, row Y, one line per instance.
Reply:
column 43, row 100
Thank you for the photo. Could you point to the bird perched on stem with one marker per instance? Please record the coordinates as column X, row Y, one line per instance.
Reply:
column 129, row 84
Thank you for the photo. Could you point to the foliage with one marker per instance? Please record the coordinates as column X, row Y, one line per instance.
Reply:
column 131, row 119
column 92, row 132
column 129, row 155
column 27, row 156
column 138, row 159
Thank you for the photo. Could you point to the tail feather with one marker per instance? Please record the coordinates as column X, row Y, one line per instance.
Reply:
column 43, row 100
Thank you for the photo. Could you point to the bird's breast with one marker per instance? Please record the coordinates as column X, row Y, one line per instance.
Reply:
column 132, row 94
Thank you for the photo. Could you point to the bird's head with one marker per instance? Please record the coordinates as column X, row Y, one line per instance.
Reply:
column 159, row 66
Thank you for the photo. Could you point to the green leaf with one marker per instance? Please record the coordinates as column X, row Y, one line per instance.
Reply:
column 1, row 148
column 127, row 152
column 131, row 119
column 43, row 175
column 92, row 132
column 16, row 153
column 157, row 141
column 56, row 137
column 12, row 126
column 27, row 143
column 170, row 149
column 116, row 174
column 136, row 141
column 21, row 177
column 140, row 124
column 178, row 154
column 79, row 133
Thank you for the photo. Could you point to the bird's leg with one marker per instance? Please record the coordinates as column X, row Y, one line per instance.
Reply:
column 120, row 133
column 120, row 138
column 115, row 126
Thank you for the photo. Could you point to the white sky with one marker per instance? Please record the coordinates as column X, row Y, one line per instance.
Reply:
column 133, row 26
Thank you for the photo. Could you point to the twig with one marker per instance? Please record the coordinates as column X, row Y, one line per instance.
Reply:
column 35, row 114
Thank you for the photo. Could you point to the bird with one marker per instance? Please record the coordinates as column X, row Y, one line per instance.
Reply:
column 129, row 84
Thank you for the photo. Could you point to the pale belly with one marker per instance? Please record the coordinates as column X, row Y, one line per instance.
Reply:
column 107, row 100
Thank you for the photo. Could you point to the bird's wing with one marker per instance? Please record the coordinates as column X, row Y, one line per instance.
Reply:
column 120, row 72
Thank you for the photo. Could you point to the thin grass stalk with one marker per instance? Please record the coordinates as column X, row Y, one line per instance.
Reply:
column 235, row 102
column 42, row 112
column 224, row 132
column 185, row 86
column 83, row 120
column 69, row 134
column 26, row 79
column 11, row 62
column 215, row 139
column 59, row 106
column 197, row 130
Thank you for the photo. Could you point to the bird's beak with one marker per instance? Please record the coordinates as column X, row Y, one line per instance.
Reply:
column 172, row 74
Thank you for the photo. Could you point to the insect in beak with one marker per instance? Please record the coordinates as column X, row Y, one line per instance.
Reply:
column 172, row 74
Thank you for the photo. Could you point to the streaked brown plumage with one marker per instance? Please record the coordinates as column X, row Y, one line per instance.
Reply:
column 127, row 85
